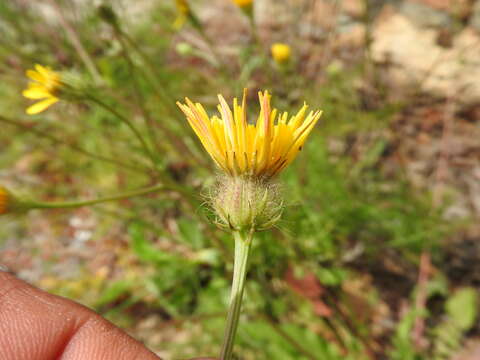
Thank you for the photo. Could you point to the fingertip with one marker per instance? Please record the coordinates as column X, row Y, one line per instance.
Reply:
column 35, row 325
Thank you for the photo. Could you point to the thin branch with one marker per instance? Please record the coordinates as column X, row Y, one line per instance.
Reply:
column 299, row 347
column 76, row 43
column 74, row 147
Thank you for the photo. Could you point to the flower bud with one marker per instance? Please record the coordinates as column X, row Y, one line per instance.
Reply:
column 246, row 203
column 108, row 15
column 10, row 203
column 4, row 201
column 243, row 3
column 184, row 49
column 246, row 6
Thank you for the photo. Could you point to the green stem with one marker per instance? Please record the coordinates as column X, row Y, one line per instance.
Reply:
column 77, row 44
column 138, row 95
column 127, row 122
column 253, row 29
column 287, row 337
column 162, row 174
column 243, row 241
column 74, row 204
column 154, row 76
column 27, row 128
column 151, row 75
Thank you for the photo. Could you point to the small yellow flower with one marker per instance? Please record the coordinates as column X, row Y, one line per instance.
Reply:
column 281, row 52
column 260, row 150
column 183, row 12
column 4, row 200
column 243, row 3
column 44, row 86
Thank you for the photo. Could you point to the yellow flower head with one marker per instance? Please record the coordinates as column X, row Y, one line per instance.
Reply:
column 243, row 3
column 182, row 6
column 260, row 150
column 183, row 11
column 281, row 52
column 44, row 86
column 4, row 200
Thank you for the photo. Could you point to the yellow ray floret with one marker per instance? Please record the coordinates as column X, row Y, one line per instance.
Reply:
column 44, row 85
column 238, row 147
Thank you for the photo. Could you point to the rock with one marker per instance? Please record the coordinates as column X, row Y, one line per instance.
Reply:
column 436, row 4
column 324, row 14
column 320, row 21
column 274, row 14
column 417, row 60
column 352, row 36
column 424, row 15
column 475, row 17
column 471, row 350
column 460, row 9
column 353, row 8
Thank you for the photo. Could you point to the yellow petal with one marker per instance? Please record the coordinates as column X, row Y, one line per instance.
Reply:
column 179, row 21
column 41, row 106
column 260, row 149
column 36, row 92
column 32, row 74
column 43, row 70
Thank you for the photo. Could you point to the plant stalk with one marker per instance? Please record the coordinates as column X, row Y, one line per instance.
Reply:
column 129, row 124
column 77, row 44
column 72, row 146
column 74, row 204
column 243, row 241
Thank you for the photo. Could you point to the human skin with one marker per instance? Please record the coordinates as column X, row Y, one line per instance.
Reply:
column 35, row 325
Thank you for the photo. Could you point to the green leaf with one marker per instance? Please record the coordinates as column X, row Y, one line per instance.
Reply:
column 144, row 249
column 190, row 233
column 462, row 307
column 113, row 292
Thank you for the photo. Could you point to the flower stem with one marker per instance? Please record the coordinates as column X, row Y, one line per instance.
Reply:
column 26, row 128
column 243, row 241
column 77, row 44
column 127, row 122
column 74, row 204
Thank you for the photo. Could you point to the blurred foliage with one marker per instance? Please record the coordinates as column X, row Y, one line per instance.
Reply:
column 345, row 215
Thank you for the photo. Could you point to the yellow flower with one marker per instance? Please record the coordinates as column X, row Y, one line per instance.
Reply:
column 260, row 150
column 281, row 52
column 5, row 200
column 44, row 86
column 183, row 12
column 243, row 3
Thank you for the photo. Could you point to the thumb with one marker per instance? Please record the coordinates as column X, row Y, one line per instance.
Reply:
column 35, row 325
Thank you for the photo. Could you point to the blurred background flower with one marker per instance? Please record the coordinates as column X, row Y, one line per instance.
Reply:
column 44, row 86
column 183, row 12
column 281, row 52
column 243, row 3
